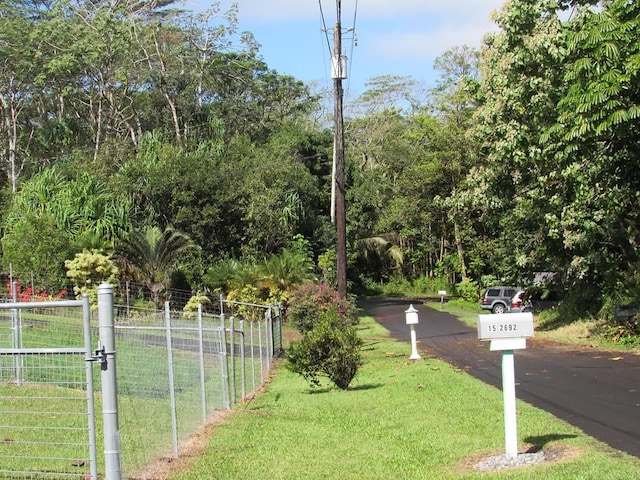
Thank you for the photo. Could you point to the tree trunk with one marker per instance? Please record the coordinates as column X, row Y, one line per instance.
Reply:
column 11, row 128
column 460, row 247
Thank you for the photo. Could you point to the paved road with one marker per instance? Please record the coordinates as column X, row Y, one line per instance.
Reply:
column 594, row 390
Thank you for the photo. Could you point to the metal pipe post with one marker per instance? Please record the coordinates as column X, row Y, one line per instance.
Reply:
column 232, row 350
column 91, row 412
column 203, row 389
column 261, row 348
column 172, row 387
column 225, row 364
column 243, row 374
column 253, row 359
column 113, row 468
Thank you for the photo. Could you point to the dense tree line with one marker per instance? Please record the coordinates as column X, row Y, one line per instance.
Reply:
column 122, row 116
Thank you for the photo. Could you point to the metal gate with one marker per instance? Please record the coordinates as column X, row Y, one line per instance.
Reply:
column 47, row 421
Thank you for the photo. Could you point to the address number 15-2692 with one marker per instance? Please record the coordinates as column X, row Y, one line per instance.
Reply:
column 505, row 325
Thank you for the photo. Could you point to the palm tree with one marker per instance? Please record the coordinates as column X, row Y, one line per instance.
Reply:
column 286, row 270
column 153, row 255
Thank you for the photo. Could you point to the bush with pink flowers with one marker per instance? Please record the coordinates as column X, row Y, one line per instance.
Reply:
column 309, row 301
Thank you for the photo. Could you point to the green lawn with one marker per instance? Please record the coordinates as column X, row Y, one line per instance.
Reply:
column 400, row 420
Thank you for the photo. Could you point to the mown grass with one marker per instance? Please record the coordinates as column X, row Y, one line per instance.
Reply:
column 400, row 420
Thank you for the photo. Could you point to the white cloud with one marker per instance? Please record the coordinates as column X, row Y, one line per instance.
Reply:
column 288, row 10
column 450, row 8
column 427, row 44
column 394, row 36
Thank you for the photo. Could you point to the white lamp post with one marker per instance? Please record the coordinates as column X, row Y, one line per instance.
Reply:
column 412, row 321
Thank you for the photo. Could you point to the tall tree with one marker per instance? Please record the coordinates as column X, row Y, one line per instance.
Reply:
column 453, row 102
column 17, row 51
column 594, row 142
column 521, row 84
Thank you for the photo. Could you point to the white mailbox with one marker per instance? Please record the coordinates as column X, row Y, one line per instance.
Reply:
column 507, row 332
column 411, row 315
column 506, row 325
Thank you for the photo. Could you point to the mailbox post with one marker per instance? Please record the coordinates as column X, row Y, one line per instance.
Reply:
column 412, row 320
column 442, row 293
column 507, row 332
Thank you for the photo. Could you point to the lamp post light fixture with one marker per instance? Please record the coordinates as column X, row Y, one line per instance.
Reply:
column 412, row 321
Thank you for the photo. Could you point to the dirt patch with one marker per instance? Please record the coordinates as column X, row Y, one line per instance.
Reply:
column 550, row 454
column 163, row 467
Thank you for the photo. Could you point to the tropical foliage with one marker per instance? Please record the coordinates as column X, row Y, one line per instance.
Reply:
column 152, row 255
column 161, row 137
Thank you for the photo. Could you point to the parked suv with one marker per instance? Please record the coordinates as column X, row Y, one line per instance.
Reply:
column 498, row 299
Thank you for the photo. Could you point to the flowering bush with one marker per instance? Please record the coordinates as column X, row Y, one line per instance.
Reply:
column 191, row 308
column 88, row 270
column 32, row 295
column 309, row 301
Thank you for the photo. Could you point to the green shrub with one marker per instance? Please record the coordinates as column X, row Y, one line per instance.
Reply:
column 487, row 281
column 468, row 290
column 191, row 308
column 329, row 349
column 425, row 285
column 88, row 270
column 397, row 285
column 308, row 302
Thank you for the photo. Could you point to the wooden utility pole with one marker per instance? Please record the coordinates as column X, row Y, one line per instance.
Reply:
column 338, row 73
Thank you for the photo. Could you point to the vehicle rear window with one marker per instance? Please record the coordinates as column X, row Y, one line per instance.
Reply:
column 509, row 293
column 493, row 292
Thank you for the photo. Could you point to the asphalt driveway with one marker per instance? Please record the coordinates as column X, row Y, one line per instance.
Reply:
column 597, row 391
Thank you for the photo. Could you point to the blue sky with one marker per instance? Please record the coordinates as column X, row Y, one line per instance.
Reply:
column 394, row 37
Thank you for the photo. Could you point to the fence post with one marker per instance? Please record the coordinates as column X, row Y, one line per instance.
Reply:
column 91, row 408
column 225, row 364
column 261, row 349
column 203, row 387
column 172, row 388
column 278, row 320
column 253, row 359
column 113, row 470
column 243, row 377
column 232, row 350
column 16, row 326
column 269, row 332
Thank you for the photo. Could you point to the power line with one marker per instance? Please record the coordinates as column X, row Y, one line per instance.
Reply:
column 354, row 41
column 337, row 56
column 324, row 26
